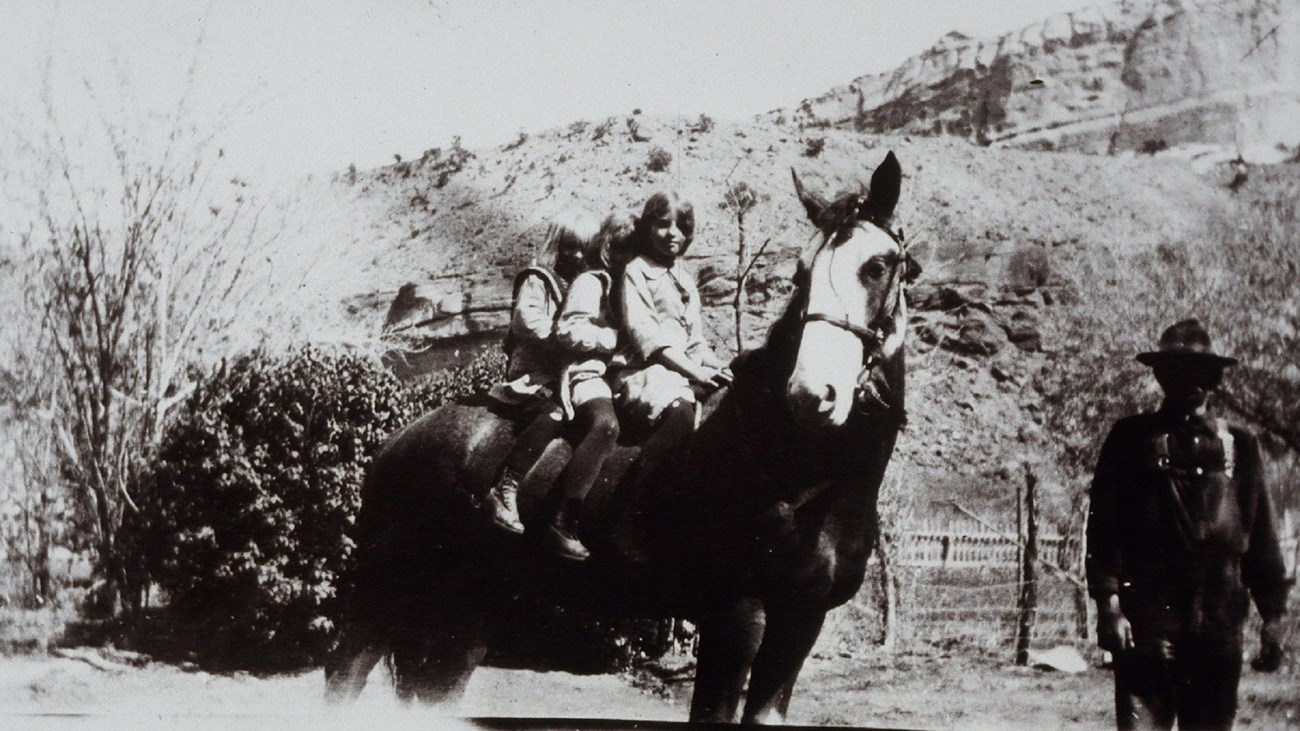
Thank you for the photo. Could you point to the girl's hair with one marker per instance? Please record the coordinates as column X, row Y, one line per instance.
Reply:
column 612, row 240
column 572, row 225
column 658, row 205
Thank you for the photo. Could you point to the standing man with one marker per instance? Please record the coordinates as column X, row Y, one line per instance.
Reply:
column 1180, row 536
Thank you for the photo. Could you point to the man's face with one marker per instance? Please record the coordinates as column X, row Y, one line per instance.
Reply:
column 1188, row 384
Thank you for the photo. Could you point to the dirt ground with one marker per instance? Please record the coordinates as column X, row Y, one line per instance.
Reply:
column 929, row 690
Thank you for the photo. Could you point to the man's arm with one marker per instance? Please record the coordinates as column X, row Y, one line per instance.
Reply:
column 1263, row 568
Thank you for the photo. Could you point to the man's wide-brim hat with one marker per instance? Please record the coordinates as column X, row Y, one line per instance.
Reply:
column 1185, row 342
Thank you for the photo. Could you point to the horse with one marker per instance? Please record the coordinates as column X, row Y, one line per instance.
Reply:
column 762, row 526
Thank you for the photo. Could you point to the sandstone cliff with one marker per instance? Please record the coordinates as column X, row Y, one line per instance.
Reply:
column 1131, row 75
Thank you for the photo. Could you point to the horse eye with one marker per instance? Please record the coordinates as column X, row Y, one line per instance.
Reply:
column 874, row 269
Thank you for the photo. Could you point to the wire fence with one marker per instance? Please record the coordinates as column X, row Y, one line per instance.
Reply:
column 959, row 577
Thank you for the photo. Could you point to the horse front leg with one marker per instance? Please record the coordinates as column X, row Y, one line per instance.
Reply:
column 789, row 638
column 433, row 667
column 348, row 667
column 729, row 638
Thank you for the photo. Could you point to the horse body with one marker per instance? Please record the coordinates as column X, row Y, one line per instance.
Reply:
column 763, row 528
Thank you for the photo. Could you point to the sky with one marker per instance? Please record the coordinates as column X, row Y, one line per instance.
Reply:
column 296, row 87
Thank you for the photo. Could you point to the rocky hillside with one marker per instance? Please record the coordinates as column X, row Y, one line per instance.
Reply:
column 431, row 246
column 1129, row 75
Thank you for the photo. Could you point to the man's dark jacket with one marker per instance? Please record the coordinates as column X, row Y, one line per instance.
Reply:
column 1180, row 527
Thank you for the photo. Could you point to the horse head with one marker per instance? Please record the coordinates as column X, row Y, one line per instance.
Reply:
column 854, row 311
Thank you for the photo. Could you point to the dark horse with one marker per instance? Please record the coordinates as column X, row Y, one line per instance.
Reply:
column 764, row 525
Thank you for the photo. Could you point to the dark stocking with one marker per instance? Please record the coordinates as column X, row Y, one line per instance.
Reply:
column 532, row 440
column 596, row 422
column 673, row 428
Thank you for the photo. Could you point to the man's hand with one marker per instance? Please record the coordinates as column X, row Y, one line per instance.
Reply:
column 1269, row 658
column 1114, row 633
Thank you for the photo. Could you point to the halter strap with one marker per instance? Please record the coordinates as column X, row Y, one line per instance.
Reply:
column 869, row 335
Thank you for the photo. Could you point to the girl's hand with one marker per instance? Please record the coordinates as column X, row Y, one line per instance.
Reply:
column 712, row 378
column 703, row 375
column 722, row 377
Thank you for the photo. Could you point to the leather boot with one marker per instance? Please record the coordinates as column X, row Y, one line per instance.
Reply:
column 501, row 503
column 562, row 536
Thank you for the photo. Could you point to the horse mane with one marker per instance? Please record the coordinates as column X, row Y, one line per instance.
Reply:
column 775, row 357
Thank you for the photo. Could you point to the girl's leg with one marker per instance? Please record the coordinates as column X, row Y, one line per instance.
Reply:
column 531, row 442
column 673, row 429
column 501, row 502
column 665, row 445
column 598, row 425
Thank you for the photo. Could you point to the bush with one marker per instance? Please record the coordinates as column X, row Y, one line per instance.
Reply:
column 659, row 159
column 814, row 146
column 599, row 131
column 246, row 513
column 1151, row 147
column 248, row 503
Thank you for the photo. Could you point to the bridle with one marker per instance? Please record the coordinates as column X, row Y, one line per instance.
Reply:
column 880, row 326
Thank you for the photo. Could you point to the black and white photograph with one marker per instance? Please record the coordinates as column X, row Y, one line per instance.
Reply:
column 650, row 364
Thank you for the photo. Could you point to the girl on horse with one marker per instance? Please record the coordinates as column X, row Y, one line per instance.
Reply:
column 533, row 365
column 661, row 313
column 587, row 332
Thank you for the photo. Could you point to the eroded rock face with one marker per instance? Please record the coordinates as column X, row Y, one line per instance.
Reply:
column 1131, row 75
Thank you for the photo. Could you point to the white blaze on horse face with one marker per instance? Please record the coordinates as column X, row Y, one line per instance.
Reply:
column 852, row 282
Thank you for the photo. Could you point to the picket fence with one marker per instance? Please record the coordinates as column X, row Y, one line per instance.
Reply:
column 962, row 543
column 959, row 543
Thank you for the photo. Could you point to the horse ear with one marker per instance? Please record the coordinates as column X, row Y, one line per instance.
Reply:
column 801, row 276
column 885, row 185
column 911, row 270
column 813, row 203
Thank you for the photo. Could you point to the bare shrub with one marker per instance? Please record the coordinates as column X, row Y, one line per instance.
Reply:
column 634, row 130
column 601, row 130
column 1239, row 278
column 741, row 198
column 813, row 146
column 132, row 266
column 518, row 143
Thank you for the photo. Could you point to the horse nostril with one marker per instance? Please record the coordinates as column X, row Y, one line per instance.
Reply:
column 830, row 393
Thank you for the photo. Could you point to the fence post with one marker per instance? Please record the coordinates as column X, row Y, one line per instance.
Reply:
column 1080, row 562
column 1028, row 603
column 1020, row 537
column 889, row 609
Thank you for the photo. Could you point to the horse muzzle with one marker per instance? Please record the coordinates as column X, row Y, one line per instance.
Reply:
column 823, row 385
column 818, row 403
